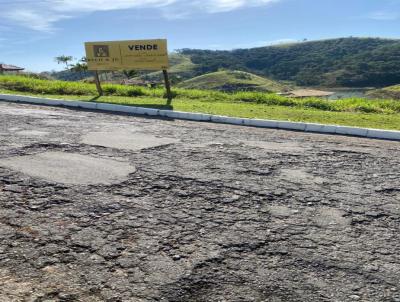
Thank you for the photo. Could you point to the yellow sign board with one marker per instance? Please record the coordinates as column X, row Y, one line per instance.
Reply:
column 119, row 55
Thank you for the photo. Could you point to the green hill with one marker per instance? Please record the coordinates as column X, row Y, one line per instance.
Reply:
column 233, row 81
column 181, row 68
column 391, row 92
column 345, row 62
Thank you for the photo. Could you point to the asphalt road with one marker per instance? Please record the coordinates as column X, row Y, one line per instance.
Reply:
column 100, row 207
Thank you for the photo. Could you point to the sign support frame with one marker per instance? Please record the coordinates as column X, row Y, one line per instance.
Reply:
column 98, row 84
column 167, row 85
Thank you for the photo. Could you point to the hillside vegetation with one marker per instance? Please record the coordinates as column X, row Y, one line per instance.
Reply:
column 181, row 68
column 391, row 92
column 233, row 81
column 346, row 62
column 51, row 87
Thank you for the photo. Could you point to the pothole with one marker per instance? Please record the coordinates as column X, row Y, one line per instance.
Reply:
column 125, row 140
column 32, row 133
column 326, row 217
column 301, row 176
column 287, row 147
column 281, row 211
column 70, row 168
column 32, row 112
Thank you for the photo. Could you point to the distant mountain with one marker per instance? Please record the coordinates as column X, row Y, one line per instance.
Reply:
column 227, row 80
column 345, row 62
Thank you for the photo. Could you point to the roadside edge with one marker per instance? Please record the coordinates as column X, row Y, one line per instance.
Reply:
column 273, row 124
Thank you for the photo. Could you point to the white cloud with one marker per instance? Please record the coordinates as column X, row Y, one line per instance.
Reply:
column 104, row 5
column 384, row 16
column 216, row 6
column 34, row 20
column 42, row 14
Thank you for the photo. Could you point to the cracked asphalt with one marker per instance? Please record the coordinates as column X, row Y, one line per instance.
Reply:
column 205, row 212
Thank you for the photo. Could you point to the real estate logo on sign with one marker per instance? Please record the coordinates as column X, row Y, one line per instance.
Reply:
column 119, row 55
column 101, row 51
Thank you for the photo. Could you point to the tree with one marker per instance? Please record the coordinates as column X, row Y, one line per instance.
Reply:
column 64, row 60
column 81, row 68
column 129, row 73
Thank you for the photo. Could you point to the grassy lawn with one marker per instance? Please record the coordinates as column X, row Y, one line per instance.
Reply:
column 381, row 114
column 246, row 109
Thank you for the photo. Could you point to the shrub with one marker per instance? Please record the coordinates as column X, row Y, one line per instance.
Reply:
column 135, row 91
column 109, row 90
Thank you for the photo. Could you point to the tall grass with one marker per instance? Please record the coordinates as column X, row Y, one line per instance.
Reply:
column 41, row 86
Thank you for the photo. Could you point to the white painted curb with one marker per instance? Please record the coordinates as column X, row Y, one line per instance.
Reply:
column 308, row 127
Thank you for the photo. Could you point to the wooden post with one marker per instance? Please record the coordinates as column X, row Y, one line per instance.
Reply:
column 98, row 84
column 167, row 85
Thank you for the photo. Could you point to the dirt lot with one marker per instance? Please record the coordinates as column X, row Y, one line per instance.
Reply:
column 100, row 207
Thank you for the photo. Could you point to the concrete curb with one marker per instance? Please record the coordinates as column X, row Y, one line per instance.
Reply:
column 307, row 127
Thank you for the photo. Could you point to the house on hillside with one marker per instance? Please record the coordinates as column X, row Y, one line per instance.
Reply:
column 4, row 68
column 307, row 93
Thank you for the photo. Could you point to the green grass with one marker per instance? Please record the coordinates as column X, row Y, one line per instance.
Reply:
column 383, row 114
column 233, row 81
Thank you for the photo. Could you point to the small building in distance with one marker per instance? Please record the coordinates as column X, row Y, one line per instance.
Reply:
column 307, row 93
column 5, row 68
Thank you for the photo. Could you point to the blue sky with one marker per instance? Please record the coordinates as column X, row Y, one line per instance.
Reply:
column 33, row 32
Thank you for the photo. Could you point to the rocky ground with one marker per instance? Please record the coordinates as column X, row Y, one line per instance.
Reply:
column 101, row 207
